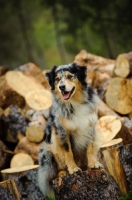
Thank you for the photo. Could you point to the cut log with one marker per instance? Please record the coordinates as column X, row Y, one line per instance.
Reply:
column 119, row 95
column 114, row 143
column 28, row 147
column 108, row 127
column 8, row 96
column 9, row 191
column 115, row 168
column 14, row 122
column 94, row 62
column 36, row 96
column 39, row 99
column 35, row 133
column 26, row 181
column 21, row 160
column 123, row 65
column 86, row 185
column 33, row 70
column 5, row 157
column 126, row 160
column 103, row 109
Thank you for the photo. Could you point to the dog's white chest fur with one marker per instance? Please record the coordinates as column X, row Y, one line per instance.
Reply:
column 81, row 124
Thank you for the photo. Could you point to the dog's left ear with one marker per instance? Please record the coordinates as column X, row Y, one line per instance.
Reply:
column 81, row 72
column 51, row 77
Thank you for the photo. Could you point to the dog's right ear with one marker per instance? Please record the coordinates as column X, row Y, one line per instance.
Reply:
column 51, row 77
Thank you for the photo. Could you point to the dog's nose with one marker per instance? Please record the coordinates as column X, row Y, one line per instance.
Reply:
column 62, row 87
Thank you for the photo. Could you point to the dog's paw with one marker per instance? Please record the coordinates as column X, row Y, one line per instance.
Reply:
column 76, row 169
column 61, row 174
column 94, row 164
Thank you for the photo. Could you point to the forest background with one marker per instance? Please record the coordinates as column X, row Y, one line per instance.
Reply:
column 49, row 32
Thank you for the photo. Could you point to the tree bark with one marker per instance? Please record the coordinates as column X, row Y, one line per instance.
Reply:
column 8, row 190
column 26, row 181
column 86, row 185
column 126, row 160
column 115, row 168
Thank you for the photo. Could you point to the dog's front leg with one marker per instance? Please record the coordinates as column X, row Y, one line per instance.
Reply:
column 93, row 150
column 64, row 140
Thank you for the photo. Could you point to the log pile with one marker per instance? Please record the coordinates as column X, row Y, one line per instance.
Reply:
column 25, row 100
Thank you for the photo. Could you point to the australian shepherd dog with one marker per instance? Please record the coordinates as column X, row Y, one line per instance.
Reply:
column 70, row 141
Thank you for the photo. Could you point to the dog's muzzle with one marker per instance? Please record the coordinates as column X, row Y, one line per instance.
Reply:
column 66, row 94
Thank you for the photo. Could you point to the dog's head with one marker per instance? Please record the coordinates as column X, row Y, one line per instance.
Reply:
column 65, row 80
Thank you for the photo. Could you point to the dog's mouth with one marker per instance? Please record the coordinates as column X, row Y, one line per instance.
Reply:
column 67, row 94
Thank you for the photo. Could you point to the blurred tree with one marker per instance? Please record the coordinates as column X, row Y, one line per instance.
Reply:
column 105, row 21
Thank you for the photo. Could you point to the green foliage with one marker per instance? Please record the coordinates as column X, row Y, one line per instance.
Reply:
column 52, row 32
column 126, row 196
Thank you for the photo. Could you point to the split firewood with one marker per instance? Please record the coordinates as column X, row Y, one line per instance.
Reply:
column 9, row 191
column 30, row 89
column 35, row 133
column 39, row 99
column 103, row 109
column 114, row 143
column 35, row 130
column 126, row 160
column 94, row 62
column 21, row 160
column 15, row 124
column 30, row 148
column 108, row 127
column 26, row 181
column 86, row 185
column 115, row 168
column 119, row 95
column 123, row 65
column 5, row 157
column 8, row 96
column 33, row 70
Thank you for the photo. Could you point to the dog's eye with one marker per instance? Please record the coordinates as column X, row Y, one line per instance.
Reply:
column 57, row 79
column 69, row 76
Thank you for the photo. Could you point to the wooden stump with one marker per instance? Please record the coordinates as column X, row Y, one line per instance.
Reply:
column 115, row 168
column 26, row 181
column 126, row 160
column 123, row 65
column 8, row 190
column 119, row 95
column 86, row 185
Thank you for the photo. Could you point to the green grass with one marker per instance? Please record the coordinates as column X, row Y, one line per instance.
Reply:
column 126, row 196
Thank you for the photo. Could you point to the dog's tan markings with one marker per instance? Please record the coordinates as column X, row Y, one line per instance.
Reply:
column 69, row 76
column 77, row 96
column 92, row 151
column 63, row 158
column 57, row 78
column 61, row 174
